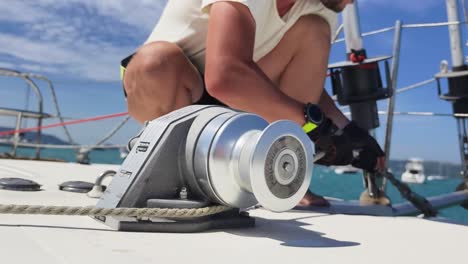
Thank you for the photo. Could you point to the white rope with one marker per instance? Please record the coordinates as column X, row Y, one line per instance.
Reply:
column 127, row 212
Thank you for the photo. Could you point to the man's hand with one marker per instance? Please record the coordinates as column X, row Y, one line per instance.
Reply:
column 366, row 151
column 336, row 148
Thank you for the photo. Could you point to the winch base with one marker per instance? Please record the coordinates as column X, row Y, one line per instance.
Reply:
column 199, row 156
column 225, row 220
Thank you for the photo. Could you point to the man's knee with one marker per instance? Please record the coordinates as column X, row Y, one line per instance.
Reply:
column 152, row 61
column 160, row 79
column 160, row 55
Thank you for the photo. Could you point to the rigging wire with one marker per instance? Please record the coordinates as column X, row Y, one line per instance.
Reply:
column 416, row 85
column 80, row 121
column 404, row 89
column 337, row 33
column 113, row 131
column 55, row 146
column 422, row 25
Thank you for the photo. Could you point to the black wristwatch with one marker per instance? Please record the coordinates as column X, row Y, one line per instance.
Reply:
column 313, row 117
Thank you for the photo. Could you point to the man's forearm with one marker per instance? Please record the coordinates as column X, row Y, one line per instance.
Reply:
column 330, row 109
column 267, row 100
column 245, row 86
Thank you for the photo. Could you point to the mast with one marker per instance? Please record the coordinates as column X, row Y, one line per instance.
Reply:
column 363, row 79
column 458, row 84
column 352, row 28
column 455, row 34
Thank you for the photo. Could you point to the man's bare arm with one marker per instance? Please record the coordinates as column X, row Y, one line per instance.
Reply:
column 232, row 76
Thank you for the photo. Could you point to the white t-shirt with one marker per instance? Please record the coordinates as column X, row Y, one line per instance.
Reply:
column 186, row 24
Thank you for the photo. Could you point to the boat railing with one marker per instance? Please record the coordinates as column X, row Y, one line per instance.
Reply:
column 39, row 115
column 403, row 26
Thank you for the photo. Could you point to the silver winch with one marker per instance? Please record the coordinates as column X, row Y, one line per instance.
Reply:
column 203, row 155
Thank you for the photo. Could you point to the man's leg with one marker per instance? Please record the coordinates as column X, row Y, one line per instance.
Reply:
column 160, row 79
column 298, row 65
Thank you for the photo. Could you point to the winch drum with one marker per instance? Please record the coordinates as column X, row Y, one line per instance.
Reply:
column 238, row 160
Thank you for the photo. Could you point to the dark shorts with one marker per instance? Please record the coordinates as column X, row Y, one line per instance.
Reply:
column 206, row 98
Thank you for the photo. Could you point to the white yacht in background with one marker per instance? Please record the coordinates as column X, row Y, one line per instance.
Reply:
column 414, row 171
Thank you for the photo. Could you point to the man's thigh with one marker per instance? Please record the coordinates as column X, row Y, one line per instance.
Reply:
column 297, row 65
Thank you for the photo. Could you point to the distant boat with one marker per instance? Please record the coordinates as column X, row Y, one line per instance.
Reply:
column 123, row 153
column 346, row 169
column 414, row 171
column 436, row 177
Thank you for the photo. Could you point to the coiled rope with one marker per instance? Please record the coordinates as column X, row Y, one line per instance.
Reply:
column 127, row 212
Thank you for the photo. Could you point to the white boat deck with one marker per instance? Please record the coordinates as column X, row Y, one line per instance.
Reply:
column 277, row 238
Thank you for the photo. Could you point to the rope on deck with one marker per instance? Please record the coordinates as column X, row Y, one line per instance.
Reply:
column 127, row 212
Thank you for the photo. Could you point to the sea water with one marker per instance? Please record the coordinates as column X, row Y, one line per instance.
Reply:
column 324, row 181
column 350, row 186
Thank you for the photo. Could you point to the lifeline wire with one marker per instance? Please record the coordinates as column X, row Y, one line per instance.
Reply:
column 80, row 121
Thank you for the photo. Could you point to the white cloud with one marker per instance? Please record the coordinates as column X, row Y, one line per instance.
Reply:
column 142, row 13
column 88, row 37
column 7, row 65
column 27, row 49
column 18, row 11
column 75, row 37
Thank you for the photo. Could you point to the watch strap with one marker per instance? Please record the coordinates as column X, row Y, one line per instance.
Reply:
column 309, row 127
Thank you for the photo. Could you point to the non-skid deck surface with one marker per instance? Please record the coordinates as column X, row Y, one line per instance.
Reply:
column 292, row 237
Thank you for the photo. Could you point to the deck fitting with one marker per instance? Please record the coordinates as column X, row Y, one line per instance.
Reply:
column 19, row 184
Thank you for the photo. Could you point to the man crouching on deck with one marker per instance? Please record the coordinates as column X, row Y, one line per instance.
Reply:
column 267, row 57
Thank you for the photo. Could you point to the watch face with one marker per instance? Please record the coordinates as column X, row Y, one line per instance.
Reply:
column 314, row 114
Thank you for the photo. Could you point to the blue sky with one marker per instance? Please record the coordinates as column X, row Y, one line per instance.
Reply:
column 78, row 44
